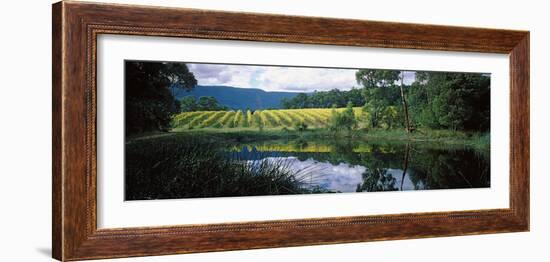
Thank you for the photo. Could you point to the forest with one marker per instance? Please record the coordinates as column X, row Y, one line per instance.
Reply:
column 437, row 100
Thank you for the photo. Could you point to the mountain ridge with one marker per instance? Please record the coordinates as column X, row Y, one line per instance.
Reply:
column 238, row 97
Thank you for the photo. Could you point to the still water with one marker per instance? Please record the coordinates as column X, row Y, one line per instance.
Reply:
column 366, row 167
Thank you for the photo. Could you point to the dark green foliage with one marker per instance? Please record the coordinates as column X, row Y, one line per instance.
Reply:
column 204, row 103
column 209, row 103
column 428, row 167
column 324, row 99
column 437, row 100
column 457, row 101
column 343, row 121
column 300, row 126
column 188, row 104
column 379, row 92
column 148, row 90
column 372, row 78
column 461, row 169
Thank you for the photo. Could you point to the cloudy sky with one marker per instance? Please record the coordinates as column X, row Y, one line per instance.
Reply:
column 277, row 78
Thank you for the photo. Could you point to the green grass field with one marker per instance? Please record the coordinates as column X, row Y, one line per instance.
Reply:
column 277, row 118
column 281, row 123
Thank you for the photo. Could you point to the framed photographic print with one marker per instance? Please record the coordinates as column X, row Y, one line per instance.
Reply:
column 183, row 130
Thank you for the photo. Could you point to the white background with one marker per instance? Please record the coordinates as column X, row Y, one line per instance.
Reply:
column 25, row 145
column 114, row 212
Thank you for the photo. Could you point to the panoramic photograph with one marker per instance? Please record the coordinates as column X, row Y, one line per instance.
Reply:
column 201, row 130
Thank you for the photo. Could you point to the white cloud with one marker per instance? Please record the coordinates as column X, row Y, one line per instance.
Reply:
column 341, row 177
column 278, row 78
column 307, row 79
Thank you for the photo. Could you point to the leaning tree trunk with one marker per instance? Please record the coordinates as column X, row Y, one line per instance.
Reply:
column 405, row 164
column 405, row 107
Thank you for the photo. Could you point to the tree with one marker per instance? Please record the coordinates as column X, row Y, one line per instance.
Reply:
column 204, row 103
column 300, row 126
column 207, row 103
column 149, row 102
column 379, row 91
column 188, row 104
column 389, row 117
column 344, row 120
column 333, row 119
column 458, row 101
column 180, row 77
column 324, row 99
column 347, row 119
column 371, row 78
column 405, row 107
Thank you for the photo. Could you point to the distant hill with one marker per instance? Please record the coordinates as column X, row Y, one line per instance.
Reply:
column 239, row 98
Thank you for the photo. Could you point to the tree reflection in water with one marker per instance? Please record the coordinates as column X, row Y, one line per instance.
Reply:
column 384, row 166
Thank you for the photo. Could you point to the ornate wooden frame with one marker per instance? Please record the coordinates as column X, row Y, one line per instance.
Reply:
column 76, row 26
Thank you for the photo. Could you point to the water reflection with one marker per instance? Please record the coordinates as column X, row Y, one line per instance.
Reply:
column 367, row 167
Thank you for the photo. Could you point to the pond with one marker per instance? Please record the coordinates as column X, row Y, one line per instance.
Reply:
column 354, row 166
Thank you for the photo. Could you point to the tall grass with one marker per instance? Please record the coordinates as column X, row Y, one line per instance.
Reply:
column 180, row 167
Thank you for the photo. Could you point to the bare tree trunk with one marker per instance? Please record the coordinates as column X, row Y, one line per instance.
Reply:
column 405, row 165
column 405, row 107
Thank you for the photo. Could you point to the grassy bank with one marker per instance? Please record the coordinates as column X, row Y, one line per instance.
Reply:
column 480, row 141
column 174, row 166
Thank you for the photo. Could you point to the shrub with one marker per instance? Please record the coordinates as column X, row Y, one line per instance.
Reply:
column 300, row 126
column 344, row 120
